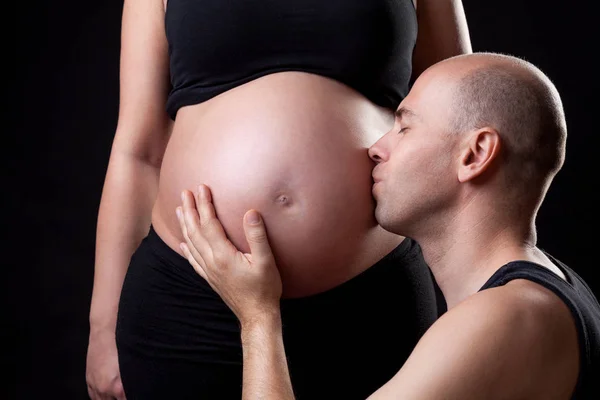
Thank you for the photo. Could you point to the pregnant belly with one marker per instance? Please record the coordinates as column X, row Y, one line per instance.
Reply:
column 293, row 146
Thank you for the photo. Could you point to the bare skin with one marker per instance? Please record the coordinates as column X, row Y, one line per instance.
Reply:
column 515, row 341
column 131, row 182
column 311, row 134
column 304, row 183
column 153, row 159
column 312, row 182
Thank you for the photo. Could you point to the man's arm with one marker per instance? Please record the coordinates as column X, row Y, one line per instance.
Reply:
column 249, row 284
column 517, row 341
column 266, row 374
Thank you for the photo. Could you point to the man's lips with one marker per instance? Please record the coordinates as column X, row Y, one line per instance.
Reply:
column 375, row 183
column 374, row 175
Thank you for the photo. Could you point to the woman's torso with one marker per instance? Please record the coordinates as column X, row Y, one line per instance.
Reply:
column 291, row 144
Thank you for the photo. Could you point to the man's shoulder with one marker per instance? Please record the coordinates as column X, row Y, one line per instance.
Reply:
column 519, row 333
column 519, row 302
column 522, row 320
column 525, row 331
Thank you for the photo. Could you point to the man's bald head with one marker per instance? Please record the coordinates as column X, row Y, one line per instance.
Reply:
column 484, row 131
column 518, row 100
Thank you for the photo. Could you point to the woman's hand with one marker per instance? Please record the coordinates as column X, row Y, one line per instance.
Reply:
column 248, row 283
column 102, row 366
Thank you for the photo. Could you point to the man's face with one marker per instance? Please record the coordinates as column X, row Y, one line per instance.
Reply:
column 415, row 176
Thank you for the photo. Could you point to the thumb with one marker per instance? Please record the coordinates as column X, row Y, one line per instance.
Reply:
column 256, row 236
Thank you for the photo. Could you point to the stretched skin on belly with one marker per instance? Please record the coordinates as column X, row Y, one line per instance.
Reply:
column 299, row 158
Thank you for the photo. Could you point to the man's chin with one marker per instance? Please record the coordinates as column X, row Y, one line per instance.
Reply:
column 386, row 220
column 381, row 219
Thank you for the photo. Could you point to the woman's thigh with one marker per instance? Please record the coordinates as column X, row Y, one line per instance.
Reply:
column 175, row 336
column 177, row 339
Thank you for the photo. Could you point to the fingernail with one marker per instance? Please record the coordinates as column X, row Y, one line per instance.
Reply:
column 253, row 217
column 178, row 212
column 182, row 195
column 202, row 191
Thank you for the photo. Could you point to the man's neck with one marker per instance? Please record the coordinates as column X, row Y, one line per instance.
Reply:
column 474, row 245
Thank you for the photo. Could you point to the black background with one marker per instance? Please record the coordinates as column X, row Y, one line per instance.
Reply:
column 65, row 90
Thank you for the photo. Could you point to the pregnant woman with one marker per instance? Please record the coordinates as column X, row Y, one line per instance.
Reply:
column 306, row 86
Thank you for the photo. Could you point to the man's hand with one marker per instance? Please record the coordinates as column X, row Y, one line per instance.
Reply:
column 250, row 284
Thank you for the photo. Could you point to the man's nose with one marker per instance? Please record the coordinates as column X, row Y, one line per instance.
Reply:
column 375, row 153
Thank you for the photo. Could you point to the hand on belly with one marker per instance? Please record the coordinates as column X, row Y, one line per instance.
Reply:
column 307, row 172
column 317, row 215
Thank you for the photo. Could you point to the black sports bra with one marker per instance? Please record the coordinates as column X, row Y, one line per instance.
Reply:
column 216, row 45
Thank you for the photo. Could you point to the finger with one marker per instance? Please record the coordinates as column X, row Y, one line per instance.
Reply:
column 194, row 240
column 179, row 212
column 198, row 264
column 206, row 209
column 189, row 219
column 256, row 236
column 194, row 235
column 185, row 201
column 198, row 256
column 212, row 230
column 95, row 394
column 119, row 391
column 189, row 212
column 91, row 393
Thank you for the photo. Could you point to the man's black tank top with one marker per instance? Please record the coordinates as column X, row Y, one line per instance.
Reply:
column 216, row 45
column 583, row 305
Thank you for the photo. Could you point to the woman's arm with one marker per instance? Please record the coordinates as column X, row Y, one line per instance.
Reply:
column 443, row 33
column 131, row 180
column 249, row 284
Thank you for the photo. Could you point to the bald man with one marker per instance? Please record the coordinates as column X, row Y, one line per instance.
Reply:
column 475, row 146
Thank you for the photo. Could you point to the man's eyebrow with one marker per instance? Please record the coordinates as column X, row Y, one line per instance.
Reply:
column 404, row 112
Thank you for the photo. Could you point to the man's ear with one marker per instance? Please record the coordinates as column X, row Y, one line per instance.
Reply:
column 479, row 152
